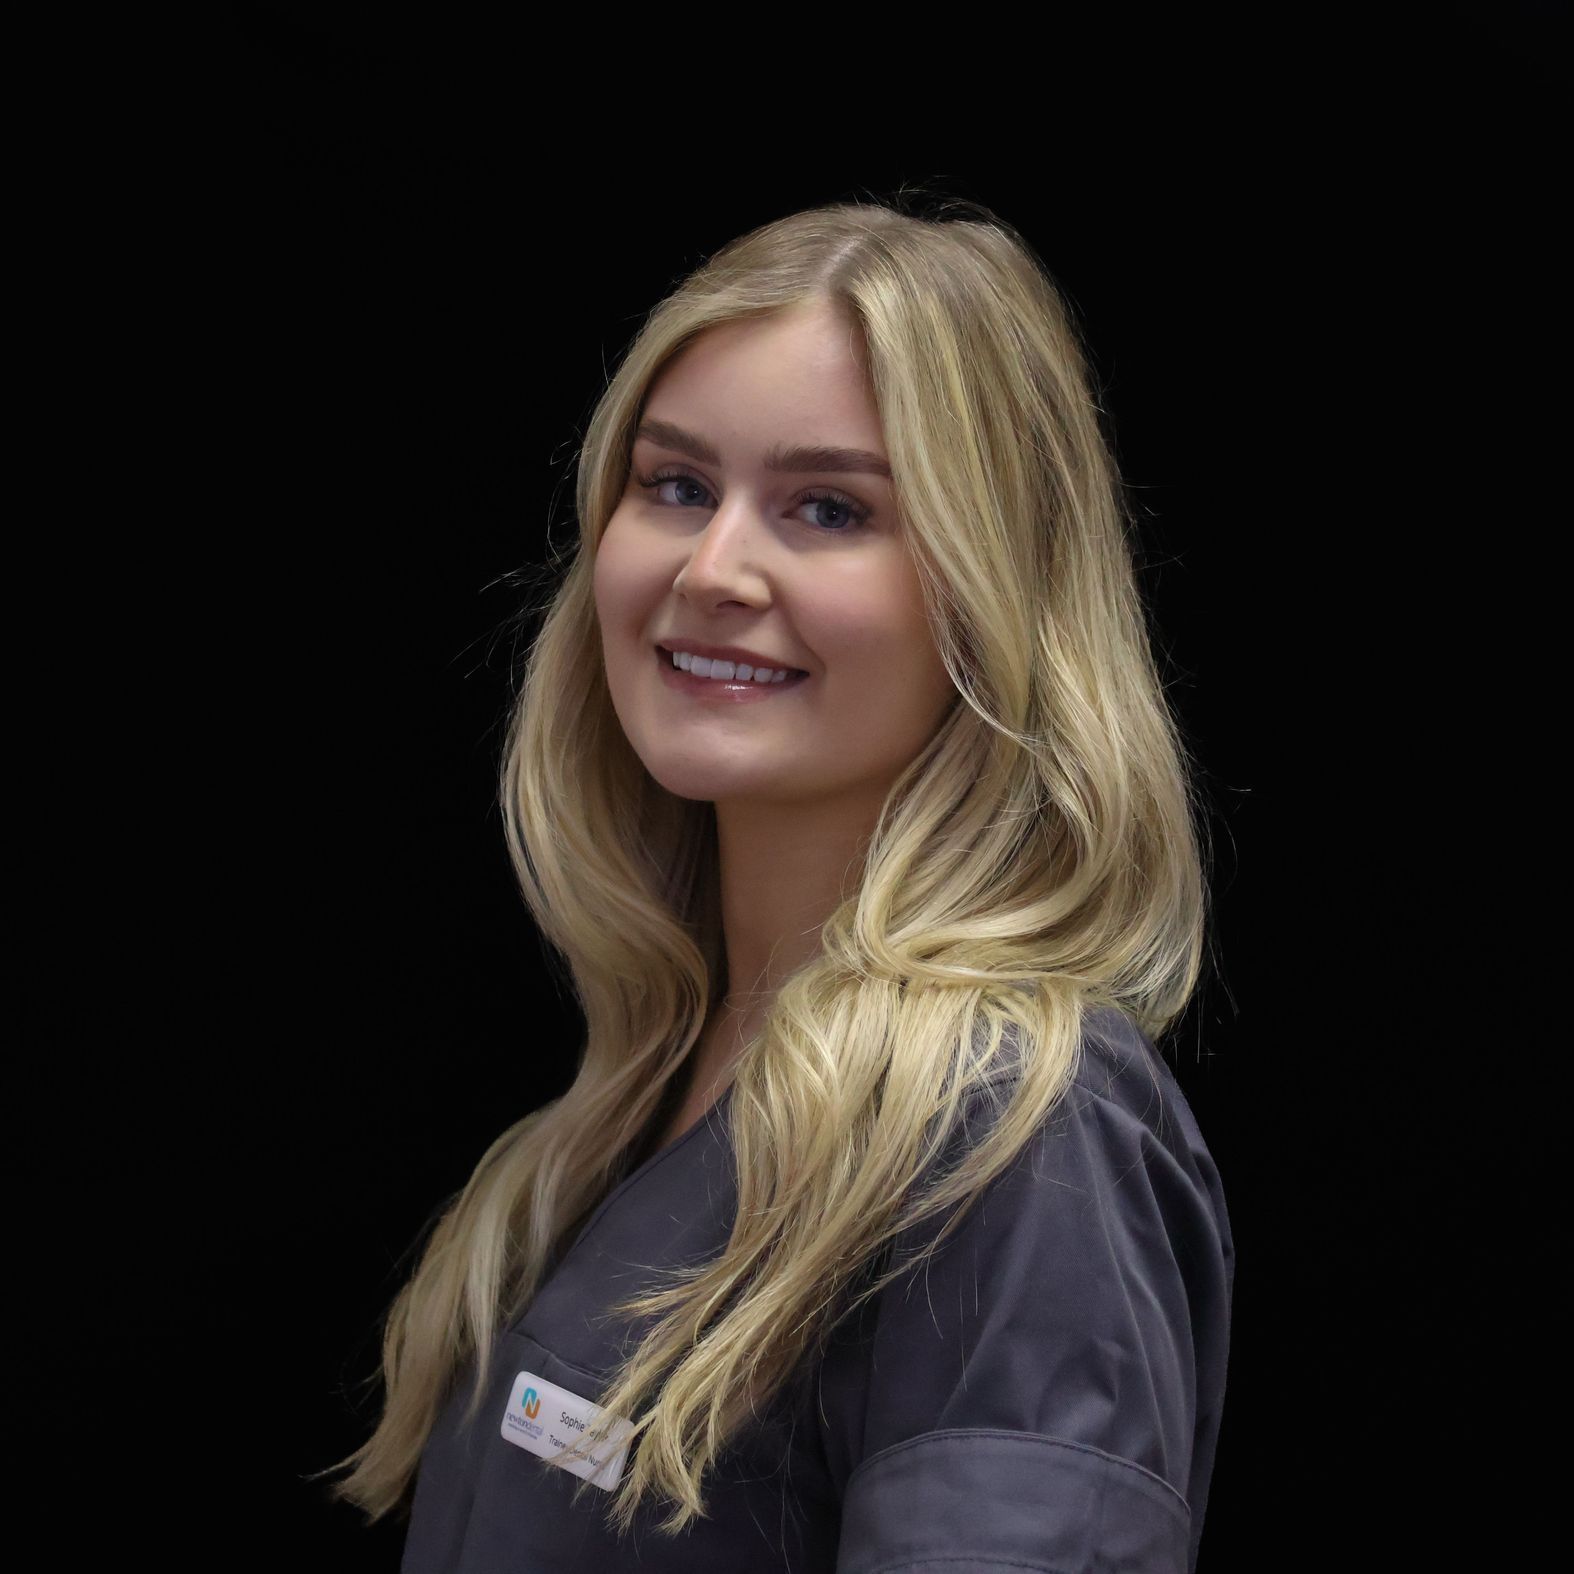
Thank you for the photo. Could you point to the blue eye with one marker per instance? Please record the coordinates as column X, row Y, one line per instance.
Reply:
column 858, row 514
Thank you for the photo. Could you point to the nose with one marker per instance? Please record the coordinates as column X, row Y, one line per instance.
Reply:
column 724, row 559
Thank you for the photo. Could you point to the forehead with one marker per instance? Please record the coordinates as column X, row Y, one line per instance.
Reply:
column 794, row 380
column 786, row 458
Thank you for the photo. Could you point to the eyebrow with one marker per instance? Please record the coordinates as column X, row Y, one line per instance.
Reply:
column 798, row 459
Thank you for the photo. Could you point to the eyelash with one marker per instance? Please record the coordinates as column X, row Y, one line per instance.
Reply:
column 860, row 514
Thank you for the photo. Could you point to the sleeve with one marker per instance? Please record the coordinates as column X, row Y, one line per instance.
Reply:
column 1043, row 1394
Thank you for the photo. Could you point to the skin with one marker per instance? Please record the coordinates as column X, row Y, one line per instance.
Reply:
column 736, row 554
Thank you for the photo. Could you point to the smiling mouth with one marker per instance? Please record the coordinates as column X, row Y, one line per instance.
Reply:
column 665, row 656
column 723, row 691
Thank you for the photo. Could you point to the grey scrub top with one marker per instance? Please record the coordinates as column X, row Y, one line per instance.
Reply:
column 1044, row 1395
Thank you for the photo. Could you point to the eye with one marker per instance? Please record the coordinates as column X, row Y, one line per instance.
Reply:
column 854, row 512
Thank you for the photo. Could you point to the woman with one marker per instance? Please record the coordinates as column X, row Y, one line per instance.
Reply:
column 873, row 1231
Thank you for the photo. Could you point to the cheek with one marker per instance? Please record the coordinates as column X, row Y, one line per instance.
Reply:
column 885, row 634
column 617, row 575
column 872, row 615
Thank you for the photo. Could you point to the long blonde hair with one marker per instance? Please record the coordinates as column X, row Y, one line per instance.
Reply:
column 1041, row 856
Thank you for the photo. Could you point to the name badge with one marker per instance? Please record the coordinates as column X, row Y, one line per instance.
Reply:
column 544, row 1420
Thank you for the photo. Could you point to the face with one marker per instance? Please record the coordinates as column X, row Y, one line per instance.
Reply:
column 806, row 566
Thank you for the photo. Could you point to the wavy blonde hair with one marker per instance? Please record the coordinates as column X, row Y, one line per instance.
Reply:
column 1041, row 856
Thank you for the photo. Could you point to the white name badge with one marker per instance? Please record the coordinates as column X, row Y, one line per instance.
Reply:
column 544, row 1420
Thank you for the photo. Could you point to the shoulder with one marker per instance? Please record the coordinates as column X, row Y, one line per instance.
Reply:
column 1124, row 1088
column 1123, row 1074
column 1066, row 1343
column 1120, row 1153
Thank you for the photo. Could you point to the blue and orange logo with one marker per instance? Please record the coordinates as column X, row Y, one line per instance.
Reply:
column 530, row 1403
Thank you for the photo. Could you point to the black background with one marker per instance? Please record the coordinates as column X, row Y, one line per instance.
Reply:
column 289, row 992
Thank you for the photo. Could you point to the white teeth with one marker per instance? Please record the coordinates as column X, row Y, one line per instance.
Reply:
column 740, row 672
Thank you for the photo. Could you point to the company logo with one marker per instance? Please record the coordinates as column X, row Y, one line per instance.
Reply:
column 531, row 1403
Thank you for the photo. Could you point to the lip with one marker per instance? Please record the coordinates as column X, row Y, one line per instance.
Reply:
column 722, row 691
column 732, row 653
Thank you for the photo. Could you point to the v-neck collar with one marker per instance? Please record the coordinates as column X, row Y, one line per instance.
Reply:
column 717, row 1114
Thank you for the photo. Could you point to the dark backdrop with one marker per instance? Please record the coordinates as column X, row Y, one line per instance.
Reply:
column 390, row 281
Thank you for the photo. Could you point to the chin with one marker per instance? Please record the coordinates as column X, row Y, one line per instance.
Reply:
column 707, row 785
